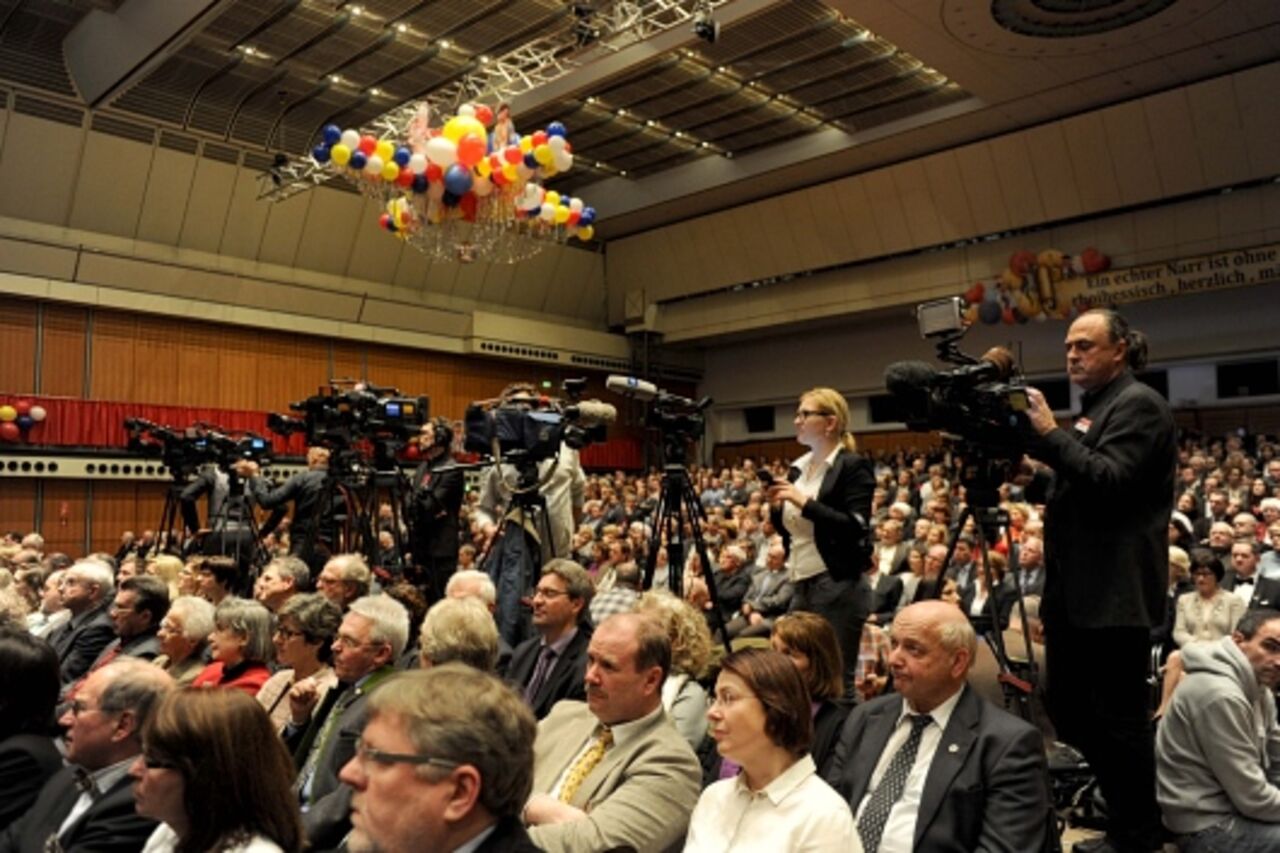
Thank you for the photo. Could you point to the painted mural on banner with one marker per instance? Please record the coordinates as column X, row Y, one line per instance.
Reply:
column 1220, row 271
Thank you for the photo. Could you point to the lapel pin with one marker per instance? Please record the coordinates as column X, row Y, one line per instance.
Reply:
column 953, row 748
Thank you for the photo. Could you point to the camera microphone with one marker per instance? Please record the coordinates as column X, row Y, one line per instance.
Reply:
column 1002, row 360
column 594, row 411
column 908, row 377
column 630, row 386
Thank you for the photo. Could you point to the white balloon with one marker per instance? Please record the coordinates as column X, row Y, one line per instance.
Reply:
column 374, row 165
column 442, row 152
column 37, row 413
column 563, row 161
column 575, row 204
column 548, row 212
column 468, row 110
column 481, row 187
column 556, row 143
column 351, row 139
column 418, row 163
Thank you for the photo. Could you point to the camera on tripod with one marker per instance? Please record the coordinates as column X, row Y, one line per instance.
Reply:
column 528, row 427
column 339, row 415
column 184, row 451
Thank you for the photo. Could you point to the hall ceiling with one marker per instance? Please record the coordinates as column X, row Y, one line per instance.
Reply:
column 664, row 127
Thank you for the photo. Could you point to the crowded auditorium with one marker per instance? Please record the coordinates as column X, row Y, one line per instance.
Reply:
column 490, row 426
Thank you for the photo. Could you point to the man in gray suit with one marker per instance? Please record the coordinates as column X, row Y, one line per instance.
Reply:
column 613, row 772
column 934, row 767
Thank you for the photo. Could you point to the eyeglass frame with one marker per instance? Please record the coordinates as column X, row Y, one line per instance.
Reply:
column 366, row 753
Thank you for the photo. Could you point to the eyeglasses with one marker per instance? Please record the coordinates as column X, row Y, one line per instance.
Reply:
column 349, row 642
column 288, row 633
column 366, row 753
column 728, row 700
column 155, row 762
column 78, row 707
column 801, row 414
column 548, row 593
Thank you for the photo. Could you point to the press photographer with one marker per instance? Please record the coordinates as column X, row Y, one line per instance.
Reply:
column 311, row 530
column 434, row 504
column 230, row 528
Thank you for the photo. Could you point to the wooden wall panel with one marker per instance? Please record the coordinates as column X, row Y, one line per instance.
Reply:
column 157, row 351
column 18, row 505
column 238, row 363
column 64, row 516
column 348, row 361
column 120, row 505
column 113, row 357
column 17, row 346
column 62, row 357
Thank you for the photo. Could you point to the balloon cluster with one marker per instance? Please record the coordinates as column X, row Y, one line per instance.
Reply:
column 1027, row 289
column 17, row 420
column 456, row 171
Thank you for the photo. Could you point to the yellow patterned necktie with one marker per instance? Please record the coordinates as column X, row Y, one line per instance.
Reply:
column 585, row 764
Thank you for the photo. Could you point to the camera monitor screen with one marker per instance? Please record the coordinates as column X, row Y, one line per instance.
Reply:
column 940, row 317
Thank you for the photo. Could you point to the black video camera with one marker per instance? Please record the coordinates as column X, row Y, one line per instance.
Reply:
column 528, row 427
column 184, row 451
column 338, row 416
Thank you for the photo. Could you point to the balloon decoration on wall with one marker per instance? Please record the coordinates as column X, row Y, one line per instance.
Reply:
column 455, row 192
column 18, row 419
column 1027, row 289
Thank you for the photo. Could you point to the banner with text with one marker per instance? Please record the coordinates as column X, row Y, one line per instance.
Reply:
column 1221, row 271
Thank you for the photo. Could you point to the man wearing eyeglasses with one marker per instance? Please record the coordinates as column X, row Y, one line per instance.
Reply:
column 550, row 666
column 370, row 639
column 88, row 805
column 87, row 589
column 445, row 763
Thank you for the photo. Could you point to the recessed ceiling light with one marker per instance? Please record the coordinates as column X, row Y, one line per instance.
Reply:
column 356, row 10
column 649, row 123
column 334, row 78
column 591, row 99
column 622, row 113
column 679, row 135
column 623, row 173
column 376, row 92
column 484, row 60
column 444, row 44
column 402, row 28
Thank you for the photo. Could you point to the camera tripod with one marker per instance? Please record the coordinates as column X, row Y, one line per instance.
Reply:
column 233, row 532
column 171, row 519
column 514, row 557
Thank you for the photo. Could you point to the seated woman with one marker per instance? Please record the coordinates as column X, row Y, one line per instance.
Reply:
column 240, row 647
column 1208, row 612
column 28, row 757
column 778, row 801
column 683, row 698
column 183, row 636
column 811, row 643
column 195, row 742
column 305, row 628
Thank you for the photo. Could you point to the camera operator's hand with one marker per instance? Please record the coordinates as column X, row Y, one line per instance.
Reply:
column 1042, row 419
column 246, row 467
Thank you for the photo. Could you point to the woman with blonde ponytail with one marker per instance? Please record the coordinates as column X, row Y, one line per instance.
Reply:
column 822, row 511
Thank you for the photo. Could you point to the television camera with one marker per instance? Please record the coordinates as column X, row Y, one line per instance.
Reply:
column 184, row 451
column 526, row 428
column 347, row 411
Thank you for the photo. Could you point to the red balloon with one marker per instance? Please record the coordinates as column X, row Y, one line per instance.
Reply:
column 434, row 173
column 384, row 221
column 484, row 115
column 1091, row 259
column 22, row 407
column 1009, row 316
column 974, row 294
column 405, row 178
column 368, row 144
column 497, row 178
column 468, row 206
column 512, row 154
column 1022, row 262
column 539, row 138
column 471, row 150
column 9, row 431
column 574, row 216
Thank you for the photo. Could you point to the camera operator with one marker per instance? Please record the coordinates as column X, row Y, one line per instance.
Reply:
column 229, row 530
column 1109, row 500
column 434, row 505
column 310, row 532
column 563, row 492
column 822, row 512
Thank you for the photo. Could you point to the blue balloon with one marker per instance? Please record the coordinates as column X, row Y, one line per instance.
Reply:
column 358, row 160
column 25, row 422
column 402, row 156
column 531, row 161
column 457, row 180
column 419, row 184
column 332, row 134
column 450, row 200
column 989, row 312
column 588, row 216
column 320, row 154
column 556, row 129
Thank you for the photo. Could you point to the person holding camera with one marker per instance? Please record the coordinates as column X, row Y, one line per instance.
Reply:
column 822, row 510
column 434, row 504
column 1109, row 486
column 230, row 531
column 310, row 532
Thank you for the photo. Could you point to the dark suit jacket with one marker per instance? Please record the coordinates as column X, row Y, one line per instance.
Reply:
column 841, row 515
column 509, row 836
column 78, row 647
column 1108, row 507
column 26, row 763
column 1266, row 591
column 565, row 679
column 434, row 508
column 986, row 790
column 885, row 596
column 109, row 826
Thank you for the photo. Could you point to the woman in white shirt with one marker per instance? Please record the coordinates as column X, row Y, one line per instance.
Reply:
column 194, row 742
column 760, row 720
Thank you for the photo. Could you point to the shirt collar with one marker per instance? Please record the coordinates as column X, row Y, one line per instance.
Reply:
column 563, row 643
column 941, row 714
column 474, row 844
column 808, row 457
column 782, row 786
column 622, row 732
column 106, row 778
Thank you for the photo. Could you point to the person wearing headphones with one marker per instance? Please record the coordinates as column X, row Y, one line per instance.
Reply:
column 434, row 505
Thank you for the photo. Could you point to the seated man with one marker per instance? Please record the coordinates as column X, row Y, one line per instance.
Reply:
column 934, row 767
column 87, row 591
column 768, row 596
column 283, row 578
column 450, row 729
column 344, row 578
column 613, row 773
column 88, row 806
column 549, row 667
column 1218, row 745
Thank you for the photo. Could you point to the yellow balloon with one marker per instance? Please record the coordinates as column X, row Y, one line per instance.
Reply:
column 526, row 144
column 509, row 171
column 8, row 413
column 552, row 197
column 340, row 154
column 483, row 169
column 384, row 149
column 459, row 126
column 390, row 172
column 562, row 214
column 586, row 232
column 549, row 171
column 544, row 155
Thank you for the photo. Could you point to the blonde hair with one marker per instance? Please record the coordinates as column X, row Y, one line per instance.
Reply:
column 831, row 402
column 685, row 627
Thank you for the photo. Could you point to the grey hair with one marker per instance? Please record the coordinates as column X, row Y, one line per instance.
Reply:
column 196, row 614
column 294, row 569
column 957, row 634
column 250, row 620
column 488, row 593
column 354, row 570
column 389, row 621
column 133, row 685
column 95, row 573
column 318, row 618
column 460, row 629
